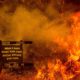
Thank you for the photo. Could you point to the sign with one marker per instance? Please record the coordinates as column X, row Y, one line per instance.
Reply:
column 11, row 54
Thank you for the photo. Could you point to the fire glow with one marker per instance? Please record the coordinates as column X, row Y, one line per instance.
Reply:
column 70, row 69
column 56, row 69
column 52, row 69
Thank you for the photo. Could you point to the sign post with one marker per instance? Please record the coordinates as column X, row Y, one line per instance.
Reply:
column 11, row 54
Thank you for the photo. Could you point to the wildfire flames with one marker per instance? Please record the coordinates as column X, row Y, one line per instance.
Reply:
column 51, row 68
column 56, row 69
column 71, row 68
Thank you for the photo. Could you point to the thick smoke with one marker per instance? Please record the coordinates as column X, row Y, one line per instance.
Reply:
column 32, row 24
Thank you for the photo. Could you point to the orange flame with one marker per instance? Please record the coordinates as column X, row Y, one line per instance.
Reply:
column 55, row 69
column 68, row 70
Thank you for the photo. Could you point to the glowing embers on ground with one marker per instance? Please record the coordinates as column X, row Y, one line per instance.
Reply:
column 58, row 71
column 51, row 71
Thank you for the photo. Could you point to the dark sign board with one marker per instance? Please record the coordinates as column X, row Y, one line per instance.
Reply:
column 12, row 53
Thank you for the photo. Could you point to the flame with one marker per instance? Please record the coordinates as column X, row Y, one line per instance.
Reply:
column 73, row 40
column 71, row 68
column 55, row 69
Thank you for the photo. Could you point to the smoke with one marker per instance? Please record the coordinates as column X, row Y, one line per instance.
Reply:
column 34, row 24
